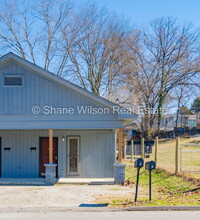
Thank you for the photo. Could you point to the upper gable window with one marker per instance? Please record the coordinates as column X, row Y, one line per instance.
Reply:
column 13, row 80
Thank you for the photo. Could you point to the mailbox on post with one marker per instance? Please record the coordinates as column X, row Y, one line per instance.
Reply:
column 151, row 165
column 139, row 163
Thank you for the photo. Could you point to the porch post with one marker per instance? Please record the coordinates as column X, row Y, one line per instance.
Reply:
column 50, row 145
column 119, row 168
column 50, row 168
column 120, row 139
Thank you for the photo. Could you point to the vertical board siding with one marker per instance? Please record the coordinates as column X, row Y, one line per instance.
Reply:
column 37, row 90
column 97, row 152
column 19, row 161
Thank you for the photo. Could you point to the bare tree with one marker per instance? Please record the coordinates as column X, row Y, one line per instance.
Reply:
column 94, row 52
column 53, row 14
column 32, row 29
column 83, row 44
column 172, row 52
column 166, row 58
column 11, row 27
column 182, row 95
column 141, row 83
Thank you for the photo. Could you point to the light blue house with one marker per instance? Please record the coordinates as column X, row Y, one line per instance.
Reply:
column 45, row 119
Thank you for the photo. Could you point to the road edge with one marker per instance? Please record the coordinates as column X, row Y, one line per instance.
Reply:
column 95, row 209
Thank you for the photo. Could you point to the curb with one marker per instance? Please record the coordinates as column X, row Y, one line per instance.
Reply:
column 164, row 208
column 100, row 209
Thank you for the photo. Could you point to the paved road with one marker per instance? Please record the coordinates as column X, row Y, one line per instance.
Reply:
column 163, row 215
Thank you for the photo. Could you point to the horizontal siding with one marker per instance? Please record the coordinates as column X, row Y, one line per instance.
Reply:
column 96, row 152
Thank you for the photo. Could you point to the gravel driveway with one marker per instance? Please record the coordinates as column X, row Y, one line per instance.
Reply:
column 69, row 196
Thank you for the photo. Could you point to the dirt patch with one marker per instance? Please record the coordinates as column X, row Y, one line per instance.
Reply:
column 69, row 196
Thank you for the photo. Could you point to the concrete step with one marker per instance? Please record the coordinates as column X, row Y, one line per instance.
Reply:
column 89, row 181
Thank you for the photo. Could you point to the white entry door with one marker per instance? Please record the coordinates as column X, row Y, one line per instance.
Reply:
column 73, row 155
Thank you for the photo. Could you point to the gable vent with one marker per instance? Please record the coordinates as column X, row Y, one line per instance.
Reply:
column 13, row 81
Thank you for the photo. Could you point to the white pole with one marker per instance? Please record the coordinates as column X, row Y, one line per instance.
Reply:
column 115, row 159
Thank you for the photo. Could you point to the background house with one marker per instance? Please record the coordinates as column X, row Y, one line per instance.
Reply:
column 198, row 118
column 168, row 121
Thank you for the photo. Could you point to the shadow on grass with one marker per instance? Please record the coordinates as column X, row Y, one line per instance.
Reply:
column 159, row 179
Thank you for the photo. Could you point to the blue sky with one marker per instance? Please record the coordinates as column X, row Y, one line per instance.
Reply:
column 143, row 11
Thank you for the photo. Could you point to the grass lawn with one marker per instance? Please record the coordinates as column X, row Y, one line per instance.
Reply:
column 167, row 188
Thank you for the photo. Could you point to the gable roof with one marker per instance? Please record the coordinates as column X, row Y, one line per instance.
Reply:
column 49, row 75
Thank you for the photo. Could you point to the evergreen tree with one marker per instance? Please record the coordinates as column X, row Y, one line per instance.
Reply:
column 196, row 105
column 185, row 111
